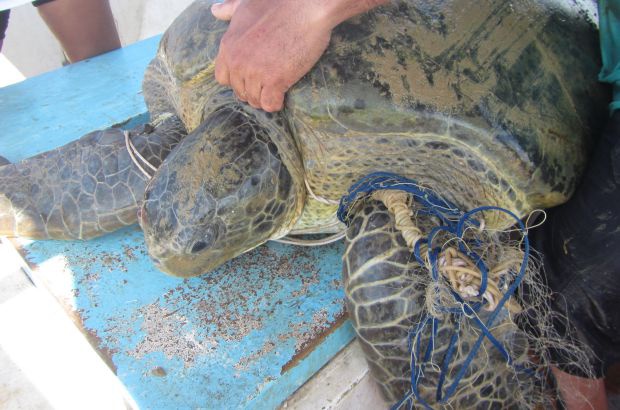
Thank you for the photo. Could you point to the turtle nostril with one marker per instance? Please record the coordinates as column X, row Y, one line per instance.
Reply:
column 198, row 246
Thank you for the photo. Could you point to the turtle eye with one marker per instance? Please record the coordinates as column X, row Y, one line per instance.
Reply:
column 207, row 239
column 198, row 246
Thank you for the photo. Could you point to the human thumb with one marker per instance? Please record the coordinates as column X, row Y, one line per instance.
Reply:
column 225, row 10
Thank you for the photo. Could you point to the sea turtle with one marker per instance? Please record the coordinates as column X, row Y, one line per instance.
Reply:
column 484, row 102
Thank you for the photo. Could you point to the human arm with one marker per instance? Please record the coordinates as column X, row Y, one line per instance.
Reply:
column 271, row 44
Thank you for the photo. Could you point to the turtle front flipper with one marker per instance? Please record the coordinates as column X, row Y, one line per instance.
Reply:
column 84, row 189
column 223, row 191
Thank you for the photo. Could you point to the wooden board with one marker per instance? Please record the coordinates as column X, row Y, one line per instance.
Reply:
column 244, row 336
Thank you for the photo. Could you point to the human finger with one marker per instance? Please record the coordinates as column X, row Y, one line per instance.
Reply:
column 237, row 83
column 253, row 89
column 271, row 99
column 222, row 75
column 225, row 10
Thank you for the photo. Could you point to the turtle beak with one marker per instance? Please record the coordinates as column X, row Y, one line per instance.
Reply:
column 187, row 265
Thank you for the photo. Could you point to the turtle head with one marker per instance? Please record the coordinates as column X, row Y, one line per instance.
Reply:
column 223, row 191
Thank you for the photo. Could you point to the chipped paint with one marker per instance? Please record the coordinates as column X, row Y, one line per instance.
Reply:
column 246, row 361
column 244, row 336
column 215, row 341
column 106, row 353
column 306, row 344
column 163, row 332
column 159, row 372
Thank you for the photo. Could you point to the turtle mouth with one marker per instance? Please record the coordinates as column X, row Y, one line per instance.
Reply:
column 189, row 257
column 189, row 264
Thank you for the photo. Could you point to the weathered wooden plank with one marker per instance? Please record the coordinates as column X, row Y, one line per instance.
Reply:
column 233, row 338
column 244, row 336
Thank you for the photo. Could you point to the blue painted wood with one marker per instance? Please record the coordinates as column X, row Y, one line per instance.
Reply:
column 54, row 108
column 222, row 340
column 244, row 336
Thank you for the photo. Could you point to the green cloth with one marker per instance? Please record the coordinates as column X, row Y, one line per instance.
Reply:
column 609, row 26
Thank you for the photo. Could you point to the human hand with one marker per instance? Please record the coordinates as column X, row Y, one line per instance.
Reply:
column 269, row 46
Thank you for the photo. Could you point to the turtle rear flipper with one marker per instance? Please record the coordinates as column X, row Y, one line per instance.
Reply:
column 4, row 161
column 381, row 296
column 386, row 294
column 84, row 189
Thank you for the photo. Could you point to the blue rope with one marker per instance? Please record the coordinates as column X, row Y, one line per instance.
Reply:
column 454, row 222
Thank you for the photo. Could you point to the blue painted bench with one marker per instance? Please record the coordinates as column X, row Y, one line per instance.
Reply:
column 244, row 336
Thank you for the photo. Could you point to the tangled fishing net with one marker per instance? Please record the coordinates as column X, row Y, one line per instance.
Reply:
column 480, row 336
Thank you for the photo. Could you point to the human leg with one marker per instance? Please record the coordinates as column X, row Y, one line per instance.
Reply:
column 85, row 28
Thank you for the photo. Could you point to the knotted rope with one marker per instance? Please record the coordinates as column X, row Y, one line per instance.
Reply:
column 462, row 274
column 473, row 286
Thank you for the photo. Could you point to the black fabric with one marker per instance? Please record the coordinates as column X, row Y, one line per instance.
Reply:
column 40, row 2
column 4, row 22
column 580, row 246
